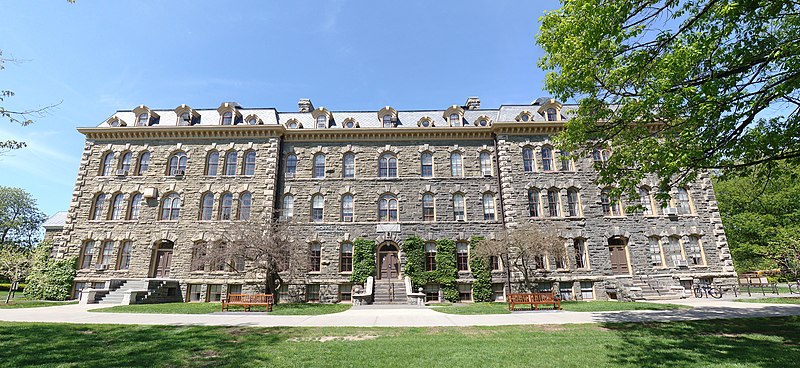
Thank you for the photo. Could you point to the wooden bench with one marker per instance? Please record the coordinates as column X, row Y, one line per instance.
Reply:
column 533, row 299
column 248, row 300
column 748, row 281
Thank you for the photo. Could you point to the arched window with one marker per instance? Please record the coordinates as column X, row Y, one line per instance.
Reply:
column 601, row 157
column 171, row 207
column 673, row 252
column 645, row 201
column 177, row 164
column 291, row 166
column 533, row 202
column 527, row 159
column 683, row 202
column 427, row 164
column 143, row 119
column 483, row 122
column 547, row 159
column 230, row 163
column 288, row 207
column 212, row 163
column 292, row 124
column 185, row 119
column 525, row 117
column 387, row 121
column 350, row 124
column 106, row 252
column 349, row 163
column 226, row 204
column 144, row 163
column 488, row 207
column 566, row 161
column 107, row 166
column 322, row 122
column 98, row 208
column 428, row 210
column 317, row 208
column 252, row 121
column 249, row 163
column 87, row 254
column 552, row 203
column 387, row 166
column 455, row 120
column 551, row 114
column 319, row 166
column 347, row 208
column 387, row 208
column 245, row 202
column 207, row 207
column 227, row 118
column 124, row 258
column 456, row 165
column 610, row 204
column 459, row 211
column 125, row 163
column 486, row 164
column 346, row 257
column 117, row 207
column 573, row 206
column 135, row 206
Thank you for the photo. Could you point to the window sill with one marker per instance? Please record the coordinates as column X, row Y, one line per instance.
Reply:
column 345, row 272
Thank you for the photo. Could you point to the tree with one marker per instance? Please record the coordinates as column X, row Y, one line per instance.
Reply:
column 49, row 278
column 20, row 219
column 15, row 263
column 523, row 250
column 762, row 220
column 676, row 87
column 267, row 249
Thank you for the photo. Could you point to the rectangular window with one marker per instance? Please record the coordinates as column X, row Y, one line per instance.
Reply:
column 347, row 208
column 544, row 287
column 644, row 198
column 462, row 256
column 693, row 253
column 579, row 247
column 345, row 292
column 234, row 289
column 458, row 208
column 194, row 292
column 533, row 202
column 488, row 207
column 427, row 165
column 214, row 293
column 87, row 255
column 238, row 264
column 430, row 256
column 560, row 263
column 125, row 255
column 565, row 288
column 552, row 203
column 494, row 261
column 655, row 251
column 587, row 290
column 315, row 258
column 312, row 293
column 527, row 159
column 349, row 165
column 486, row 164
column 566, row 162
column 497, row 292
column 428, row 213
column 465, row 292
column 346, row 258
column 107, row 252
column 431, row 292
column 283, row 292
column 77, row 289
column 572, row 203
column 673, row 252
column 456, row 169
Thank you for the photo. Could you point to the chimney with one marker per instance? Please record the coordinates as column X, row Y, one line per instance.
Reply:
column 473, row 103
column 305, row 105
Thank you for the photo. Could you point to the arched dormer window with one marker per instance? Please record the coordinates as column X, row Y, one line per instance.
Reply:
column 144, row 116
column 227, row 118
column 454, row 120
column 425, row 122
column 524, row 116
column 229, row 113
column 187, row 116
column 177, row 164
column 387, row 121
column 387, row 166
column 551, row 114
column 253, row 119
column 116, row 122
column 107, row 164
column 483, row 121
column 388, row 117
column 350, row 123
column 171, row 207
column 293, row 124
column 387, row 208
column 454, row 116
column 322, row 122
column 550, row 109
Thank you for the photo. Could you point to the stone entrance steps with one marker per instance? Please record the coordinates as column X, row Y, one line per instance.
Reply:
column 646, row 288
column 149, row 291
column 390, row 292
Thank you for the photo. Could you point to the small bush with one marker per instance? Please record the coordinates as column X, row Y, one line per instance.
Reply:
column 50, row 279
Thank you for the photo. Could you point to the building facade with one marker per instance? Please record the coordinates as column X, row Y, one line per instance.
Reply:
column 152, row 184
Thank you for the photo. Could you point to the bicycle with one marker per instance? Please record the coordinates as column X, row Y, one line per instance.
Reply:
column 708, row 290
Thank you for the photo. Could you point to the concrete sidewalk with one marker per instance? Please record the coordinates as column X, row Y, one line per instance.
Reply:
column 403, row 317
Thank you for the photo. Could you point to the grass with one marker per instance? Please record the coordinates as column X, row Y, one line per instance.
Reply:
column 597, row 306
column 790, row 300
column 766, row 342
column 20, row 301
column 281, row 309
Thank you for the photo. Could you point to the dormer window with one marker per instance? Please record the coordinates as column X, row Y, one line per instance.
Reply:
column 387, row 121
column 227, row 118
column 143, row 119
column 187, row 116
column 551, row 114
column 425, row 122
column 186, row 119
column 455, row 120
column 525, row 117
column 454, row 116
column 350, row 124
column 252, row 121
column 549, row 108
column 322, row 122
column 116, row 122
column 388, row 117
column 483, row 122
column 293, row 125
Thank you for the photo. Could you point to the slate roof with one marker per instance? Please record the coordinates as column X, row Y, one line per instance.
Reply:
column 56, row 222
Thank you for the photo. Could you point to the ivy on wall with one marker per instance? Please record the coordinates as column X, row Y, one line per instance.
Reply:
column 363, row 260
column 482, row 286
column 414, row 248
column 50, row 279
column 446, row 272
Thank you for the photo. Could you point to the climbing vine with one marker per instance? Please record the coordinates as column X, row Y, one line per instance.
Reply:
column 414, row 248
column 363, row 260
column 479, row 265
column 446, row 271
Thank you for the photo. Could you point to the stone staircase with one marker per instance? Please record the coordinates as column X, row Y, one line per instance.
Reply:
column 643, row 287
column 390, row 292
column 152, row 291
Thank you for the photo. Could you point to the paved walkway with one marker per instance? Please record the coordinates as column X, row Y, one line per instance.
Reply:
column 384, row 316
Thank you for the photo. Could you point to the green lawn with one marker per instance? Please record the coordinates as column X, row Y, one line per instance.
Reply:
column 769, row 342
column 19, row 301
column 792, row 300
column 285, row 309
column 597, row 306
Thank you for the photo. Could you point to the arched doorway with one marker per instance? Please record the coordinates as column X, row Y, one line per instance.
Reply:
column 162, row 259
column 388, row 261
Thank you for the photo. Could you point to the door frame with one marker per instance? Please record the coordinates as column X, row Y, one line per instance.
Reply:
column 625, row 250
column 161, row 246
column 379, row 259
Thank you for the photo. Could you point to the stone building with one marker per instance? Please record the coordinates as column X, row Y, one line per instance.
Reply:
column 154, row 183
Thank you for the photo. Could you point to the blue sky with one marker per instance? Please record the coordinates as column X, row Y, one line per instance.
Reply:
column 98, row 57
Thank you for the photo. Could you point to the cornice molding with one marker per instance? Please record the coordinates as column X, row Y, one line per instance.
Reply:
column 386, row 134
column 183, row 132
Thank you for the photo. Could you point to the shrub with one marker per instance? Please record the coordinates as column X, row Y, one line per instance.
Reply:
column 363, row 260
column 50, row 279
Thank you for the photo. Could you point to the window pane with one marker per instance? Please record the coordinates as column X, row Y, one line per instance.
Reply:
column 291, row 166
column 347, row 208
column 547, row 159
column 349, row 165
column 319, row 166
column 527, row 159
column 427, row 165
column 456, row 168
column 230, row 163
column 245, row 202
column 250, row 163
column 486, row 164
column 206, row 208
column 428, row 212
column 458, row 208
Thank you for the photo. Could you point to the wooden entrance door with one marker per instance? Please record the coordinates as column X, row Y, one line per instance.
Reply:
column 163, row 261
column 390, row 266
column 619, row 261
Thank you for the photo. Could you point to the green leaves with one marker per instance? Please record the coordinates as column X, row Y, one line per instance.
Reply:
column 363, row 260
column 50, row 279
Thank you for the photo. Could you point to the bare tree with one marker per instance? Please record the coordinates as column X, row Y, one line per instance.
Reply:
column 15, row 263
column 265, row 249
column 524, row 250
